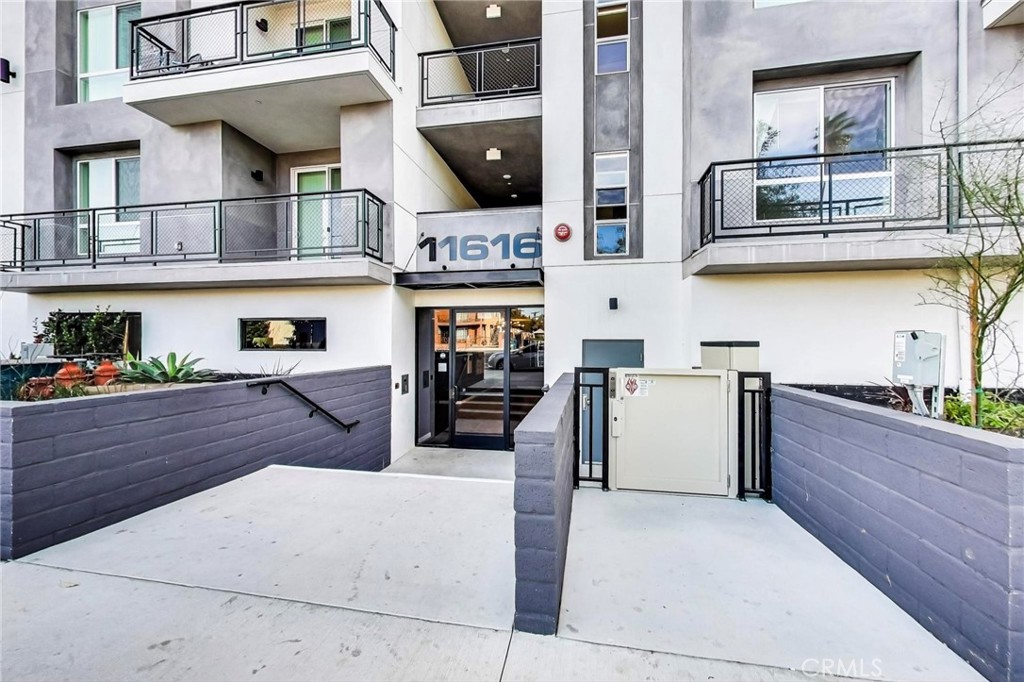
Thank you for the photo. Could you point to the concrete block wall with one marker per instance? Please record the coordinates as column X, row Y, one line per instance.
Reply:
column 543, row 506
column 931, row 513
column 69, row 467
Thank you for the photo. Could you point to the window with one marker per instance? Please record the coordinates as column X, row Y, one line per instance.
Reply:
column 283, row 334
column 337, row 32
column 106, row 183
column 831, row 119
column 611, row 204
column 104, row 50
column 612, row 30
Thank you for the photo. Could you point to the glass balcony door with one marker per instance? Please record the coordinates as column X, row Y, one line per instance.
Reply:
column 313, row 214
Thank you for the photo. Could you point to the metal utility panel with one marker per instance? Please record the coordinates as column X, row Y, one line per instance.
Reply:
column 742, row 356
column 917, row 358
column 671, row 431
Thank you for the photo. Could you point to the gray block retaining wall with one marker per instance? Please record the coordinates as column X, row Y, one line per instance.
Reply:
column 543, row 505
column 931, row 513
column 68, row 467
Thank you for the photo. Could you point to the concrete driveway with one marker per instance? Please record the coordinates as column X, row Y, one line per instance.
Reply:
column 306, row 574
column 741, row 581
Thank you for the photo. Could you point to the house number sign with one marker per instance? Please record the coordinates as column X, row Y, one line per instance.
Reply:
column 500, row 241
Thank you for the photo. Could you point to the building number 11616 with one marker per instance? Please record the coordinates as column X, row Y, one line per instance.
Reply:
column 524, row 246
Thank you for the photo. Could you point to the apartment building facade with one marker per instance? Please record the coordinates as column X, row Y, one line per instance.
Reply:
column 485, row 194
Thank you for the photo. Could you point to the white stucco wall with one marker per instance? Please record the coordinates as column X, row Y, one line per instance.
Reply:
column 15, row 325
column 205, row 323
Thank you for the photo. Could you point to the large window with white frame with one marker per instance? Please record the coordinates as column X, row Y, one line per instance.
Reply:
column 838, row 124
column 104, row 50
column 611, row 24
column 611, row 204
column 105, row 183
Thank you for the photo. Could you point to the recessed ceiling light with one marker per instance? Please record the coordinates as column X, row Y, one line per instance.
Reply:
column 509, row 184
column 515, row 196
column 493, row 12
column 507, row 176
column 493, row 154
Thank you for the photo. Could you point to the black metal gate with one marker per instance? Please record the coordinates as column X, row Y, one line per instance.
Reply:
column 590, row 400
column 755, row 434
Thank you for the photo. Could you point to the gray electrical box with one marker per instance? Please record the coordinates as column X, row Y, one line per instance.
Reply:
column 917, row 358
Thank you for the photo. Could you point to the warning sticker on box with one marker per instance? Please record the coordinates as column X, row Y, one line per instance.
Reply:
column 637, row 387
column 900, row 351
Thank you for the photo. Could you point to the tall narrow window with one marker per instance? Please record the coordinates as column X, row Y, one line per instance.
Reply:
column 106, row 184
column 611, row 204
column 612, row 31
column 844, row 125
column 104, row 50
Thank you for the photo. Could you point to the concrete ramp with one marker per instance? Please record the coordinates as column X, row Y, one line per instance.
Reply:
column 434, row 548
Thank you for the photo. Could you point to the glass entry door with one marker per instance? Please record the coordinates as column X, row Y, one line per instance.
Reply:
column 480, row 372
column 479, row 379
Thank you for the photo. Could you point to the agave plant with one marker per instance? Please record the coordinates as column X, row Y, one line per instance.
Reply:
column 156, row 371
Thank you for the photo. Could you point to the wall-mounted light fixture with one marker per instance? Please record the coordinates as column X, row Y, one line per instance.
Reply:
column 263, row 25
column 5, row 71
column 257, row 175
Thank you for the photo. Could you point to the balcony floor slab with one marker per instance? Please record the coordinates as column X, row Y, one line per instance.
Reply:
column 208, row 275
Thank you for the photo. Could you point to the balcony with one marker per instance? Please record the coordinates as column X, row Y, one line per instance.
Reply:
column 997, row 13
column 883, row 209
column 250, row 64
column 483, row 97
column 298, row 239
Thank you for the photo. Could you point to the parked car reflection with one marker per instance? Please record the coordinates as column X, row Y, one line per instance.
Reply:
column 527, row 358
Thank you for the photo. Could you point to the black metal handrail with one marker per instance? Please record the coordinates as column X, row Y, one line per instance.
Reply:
column 261, row 228
column 882, row 190
column 506, row 69
column 265, row 384
column 246, row 31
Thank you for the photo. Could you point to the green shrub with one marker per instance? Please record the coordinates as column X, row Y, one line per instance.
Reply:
column 997, row 414
column 156, row 371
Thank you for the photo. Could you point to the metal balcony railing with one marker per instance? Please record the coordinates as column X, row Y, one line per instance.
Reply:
column 480, row 72
column 314, row 225
column 245, row 32
column 885, row 190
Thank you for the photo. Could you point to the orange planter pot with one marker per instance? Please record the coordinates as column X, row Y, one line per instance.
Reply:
column 69, row 375
column 105, row 373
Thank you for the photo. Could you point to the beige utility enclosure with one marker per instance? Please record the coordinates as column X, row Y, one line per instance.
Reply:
column 673, row 431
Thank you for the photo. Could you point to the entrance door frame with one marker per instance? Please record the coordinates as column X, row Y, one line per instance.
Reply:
column 506, row 310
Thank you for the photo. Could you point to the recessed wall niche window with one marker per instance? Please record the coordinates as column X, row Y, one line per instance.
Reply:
column 283, row 334
column 104, row 50
column 612, row 32
column 611, row 204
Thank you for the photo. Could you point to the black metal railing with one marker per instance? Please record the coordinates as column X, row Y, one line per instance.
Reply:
column 754, row 442
column 885, row 190
column 591, row 407
column 315, row 408
column 312, row 225
column 244, row 32
column 464, row 74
